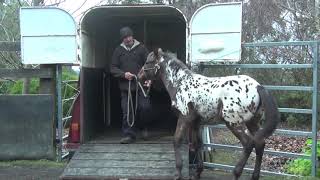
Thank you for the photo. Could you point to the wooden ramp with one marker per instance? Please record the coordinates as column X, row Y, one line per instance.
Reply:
column 125, row 161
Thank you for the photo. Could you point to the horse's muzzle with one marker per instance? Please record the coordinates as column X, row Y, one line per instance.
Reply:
column 141, row 76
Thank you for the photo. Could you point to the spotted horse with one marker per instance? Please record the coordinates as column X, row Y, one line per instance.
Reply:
column 239, row 101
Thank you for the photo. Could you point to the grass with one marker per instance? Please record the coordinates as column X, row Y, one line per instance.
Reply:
column 287, row 178
column 220, row 174
column 221, row 157
column 225, row 157
column 32, row 163
column 223, row 136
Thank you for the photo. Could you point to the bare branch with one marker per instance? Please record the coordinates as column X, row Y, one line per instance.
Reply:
column 6, row 32
column 56, row 3
column 79, row 7
column 8, row 62
column 4, row 14
column 289, row 7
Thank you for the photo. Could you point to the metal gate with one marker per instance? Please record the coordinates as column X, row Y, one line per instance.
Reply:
column 313, row 111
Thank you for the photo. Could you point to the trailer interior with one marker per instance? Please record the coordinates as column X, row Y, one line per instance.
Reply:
column 155, row 26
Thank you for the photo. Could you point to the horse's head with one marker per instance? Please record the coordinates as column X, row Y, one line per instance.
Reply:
column 150, row 69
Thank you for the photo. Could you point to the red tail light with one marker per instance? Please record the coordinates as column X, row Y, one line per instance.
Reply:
column 74, row 132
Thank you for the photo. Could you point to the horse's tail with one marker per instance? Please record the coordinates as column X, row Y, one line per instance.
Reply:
column 271, row 113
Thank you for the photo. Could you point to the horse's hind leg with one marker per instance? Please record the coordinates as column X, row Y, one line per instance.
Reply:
column 259, row 144
column 178, row 138
column 197, row 144
column 247, row 143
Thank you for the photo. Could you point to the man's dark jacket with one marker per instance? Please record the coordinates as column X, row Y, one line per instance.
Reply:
column 128, row 60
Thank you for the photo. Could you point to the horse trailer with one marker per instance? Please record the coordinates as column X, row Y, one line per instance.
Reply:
column 96, row 121
column 154, row 25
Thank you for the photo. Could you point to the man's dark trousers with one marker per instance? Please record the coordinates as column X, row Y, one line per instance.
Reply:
column 143, row 116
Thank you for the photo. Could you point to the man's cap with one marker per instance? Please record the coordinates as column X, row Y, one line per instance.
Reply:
column 125, row 32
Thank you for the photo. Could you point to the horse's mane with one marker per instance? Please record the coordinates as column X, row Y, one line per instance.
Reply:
column 169, row 56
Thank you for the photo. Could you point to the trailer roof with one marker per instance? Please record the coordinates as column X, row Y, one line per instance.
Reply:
column 135, row 11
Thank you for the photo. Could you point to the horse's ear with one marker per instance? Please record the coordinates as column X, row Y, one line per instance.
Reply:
column 160, row 52
column 155, row 51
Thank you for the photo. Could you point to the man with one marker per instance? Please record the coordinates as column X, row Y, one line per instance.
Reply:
column 127, row 60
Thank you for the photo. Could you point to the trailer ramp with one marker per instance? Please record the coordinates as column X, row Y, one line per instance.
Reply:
column 125, row 161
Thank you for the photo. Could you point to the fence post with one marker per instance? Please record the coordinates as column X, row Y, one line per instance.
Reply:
column 59, row 108
column 314, row 109
column 47, row 85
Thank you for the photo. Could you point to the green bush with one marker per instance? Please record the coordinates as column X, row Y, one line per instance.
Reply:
column 5, row 86
column 292, row 121
column 17, row 87
column 308, row 150
column 299, row 167
column 303, row 166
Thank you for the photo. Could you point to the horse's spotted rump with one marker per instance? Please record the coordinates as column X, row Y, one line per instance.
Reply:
column 239, row 102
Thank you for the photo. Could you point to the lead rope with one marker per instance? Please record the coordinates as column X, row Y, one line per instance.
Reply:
column 134, row 109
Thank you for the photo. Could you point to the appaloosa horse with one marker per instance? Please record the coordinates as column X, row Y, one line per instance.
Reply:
column 239, row 101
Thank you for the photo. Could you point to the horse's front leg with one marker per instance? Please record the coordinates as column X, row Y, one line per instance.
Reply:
column 197, row 144
column 178, row 138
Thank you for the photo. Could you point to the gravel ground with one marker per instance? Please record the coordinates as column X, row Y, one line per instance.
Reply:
column 285, row 144
column 276, row 143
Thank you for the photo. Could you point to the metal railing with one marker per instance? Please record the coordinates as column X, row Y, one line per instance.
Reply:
column 66, row 114
column 313, row 111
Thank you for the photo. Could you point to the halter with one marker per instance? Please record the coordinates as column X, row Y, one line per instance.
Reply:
column 155, row 68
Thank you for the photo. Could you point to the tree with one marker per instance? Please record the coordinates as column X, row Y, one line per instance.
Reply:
column 9, row 31
column 130, row 1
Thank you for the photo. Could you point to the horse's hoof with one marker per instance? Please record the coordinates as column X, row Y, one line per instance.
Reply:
column 194, row 177
column 177, row 178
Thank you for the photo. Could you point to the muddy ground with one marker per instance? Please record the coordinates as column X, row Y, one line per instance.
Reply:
column 33, row 170
column 30, row 170
column 29, row 173
column 22, row 172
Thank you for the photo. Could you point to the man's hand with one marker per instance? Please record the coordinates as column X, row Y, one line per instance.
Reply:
column 129, row 76
column 147, row 83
